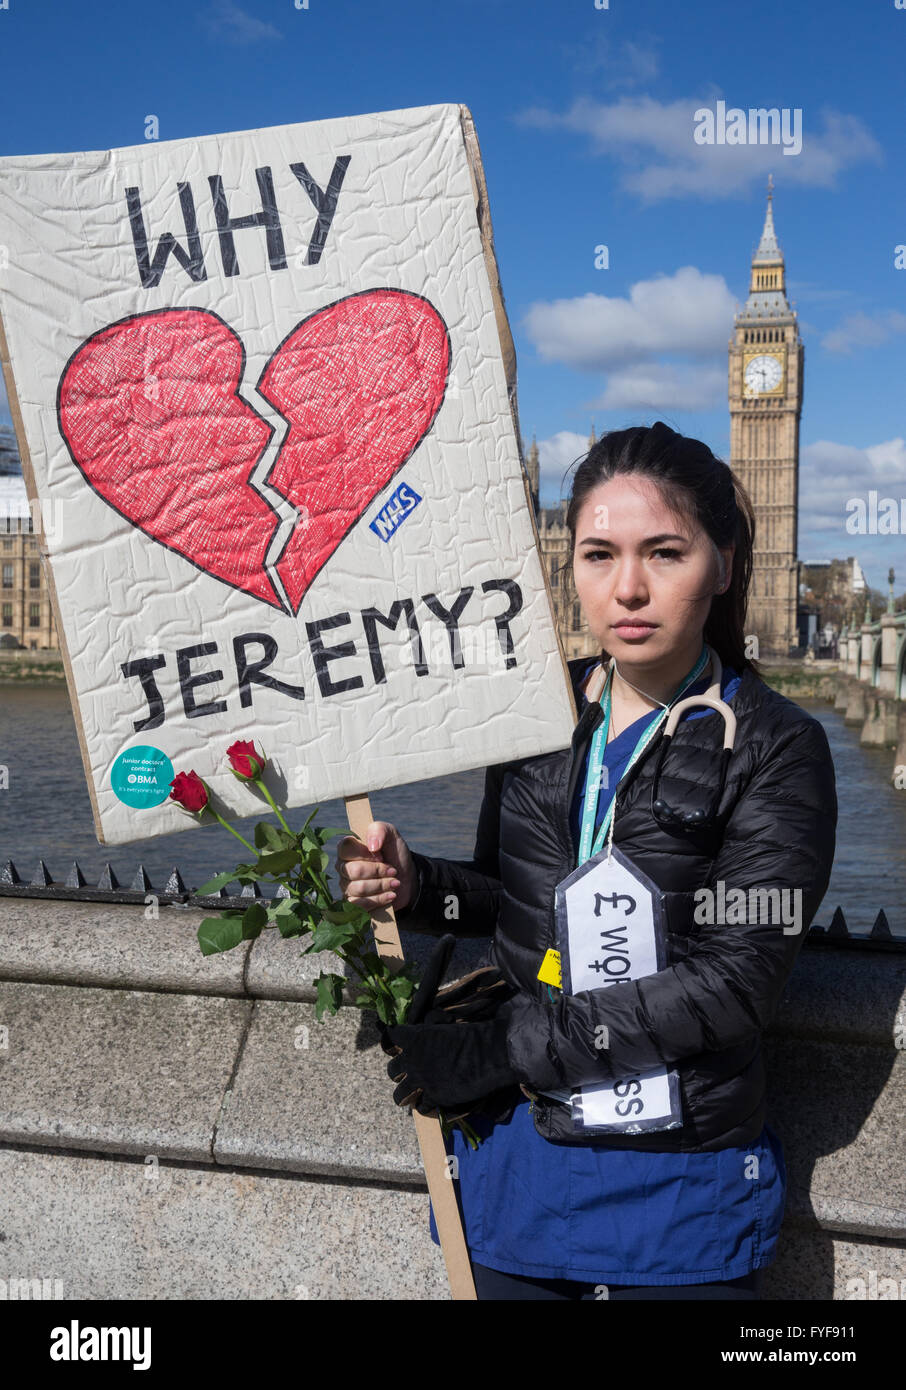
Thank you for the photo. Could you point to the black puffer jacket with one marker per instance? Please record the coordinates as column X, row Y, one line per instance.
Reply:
column 703, row 1015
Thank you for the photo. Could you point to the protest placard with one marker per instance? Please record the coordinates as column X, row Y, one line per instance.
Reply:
column 265, row 399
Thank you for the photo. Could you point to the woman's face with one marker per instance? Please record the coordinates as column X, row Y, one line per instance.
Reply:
column 645, row 577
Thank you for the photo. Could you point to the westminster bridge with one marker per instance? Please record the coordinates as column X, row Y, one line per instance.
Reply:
column 867, row 683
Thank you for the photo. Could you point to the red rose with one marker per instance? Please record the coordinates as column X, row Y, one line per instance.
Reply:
column 245, row 760
column 189, row 791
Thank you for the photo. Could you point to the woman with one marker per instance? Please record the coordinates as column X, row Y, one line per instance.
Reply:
column 690, row 1204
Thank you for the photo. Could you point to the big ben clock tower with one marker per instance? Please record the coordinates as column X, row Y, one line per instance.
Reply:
column 766, row 361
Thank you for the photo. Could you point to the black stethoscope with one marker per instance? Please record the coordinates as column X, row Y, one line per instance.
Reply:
column 670, row 817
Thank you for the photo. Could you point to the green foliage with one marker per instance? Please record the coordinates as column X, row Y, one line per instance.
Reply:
column 402, row 987
column 254, row 919
column 290, row 925
column 219, row 881
column 272, row 837
column 298, row 862
column 217, row 934
column 278, row 863
column 330, row 936
column 330, row 995
column 284, row 913
column 220, row 933
column 345, row 911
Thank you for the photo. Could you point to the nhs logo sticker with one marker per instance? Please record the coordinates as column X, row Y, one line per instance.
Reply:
column 394, row 511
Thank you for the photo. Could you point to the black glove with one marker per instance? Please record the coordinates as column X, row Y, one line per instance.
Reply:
column 475, row 997
column 428, row 1060
column 444, row 1065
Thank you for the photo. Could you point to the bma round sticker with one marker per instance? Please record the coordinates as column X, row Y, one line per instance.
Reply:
column 141, row 777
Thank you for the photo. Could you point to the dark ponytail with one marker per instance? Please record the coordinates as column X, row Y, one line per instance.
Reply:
column 696, row 485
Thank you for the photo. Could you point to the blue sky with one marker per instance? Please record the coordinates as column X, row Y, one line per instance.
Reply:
column 585, row 119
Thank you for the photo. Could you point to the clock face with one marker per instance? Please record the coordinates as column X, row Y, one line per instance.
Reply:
column 763, row 373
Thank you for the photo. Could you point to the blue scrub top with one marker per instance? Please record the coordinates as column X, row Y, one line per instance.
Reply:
column 618, row 1216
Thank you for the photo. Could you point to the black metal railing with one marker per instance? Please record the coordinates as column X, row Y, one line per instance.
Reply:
column 108, row 889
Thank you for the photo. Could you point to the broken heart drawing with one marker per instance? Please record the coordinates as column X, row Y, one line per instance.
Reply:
column 151, row 412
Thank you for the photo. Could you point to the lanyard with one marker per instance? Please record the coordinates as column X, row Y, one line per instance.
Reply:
column 596, row 761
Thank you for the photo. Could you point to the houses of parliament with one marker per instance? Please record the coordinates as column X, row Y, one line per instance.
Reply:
column 765, row 400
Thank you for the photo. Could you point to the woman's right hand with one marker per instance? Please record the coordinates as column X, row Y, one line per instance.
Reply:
column 380, row 873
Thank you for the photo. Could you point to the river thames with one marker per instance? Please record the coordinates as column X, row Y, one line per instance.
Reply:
column 45, row 814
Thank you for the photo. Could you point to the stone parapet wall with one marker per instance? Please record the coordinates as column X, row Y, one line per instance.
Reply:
column 180, row 1126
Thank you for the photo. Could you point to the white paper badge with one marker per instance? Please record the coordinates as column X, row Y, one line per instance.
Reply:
column 610, row 930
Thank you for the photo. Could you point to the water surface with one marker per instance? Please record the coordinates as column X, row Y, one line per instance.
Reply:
column 46, row 814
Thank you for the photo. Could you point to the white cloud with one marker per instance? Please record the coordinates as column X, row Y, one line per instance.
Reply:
column 227, row 20
column 830, row 476
column 655, row 140
column 687, row 312
column 556, row 455
column 888, row 460
column 614, row 65
column 664, row 386
column 864, row 331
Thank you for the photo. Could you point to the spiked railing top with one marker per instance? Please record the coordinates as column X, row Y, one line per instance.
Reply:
column 76, row 889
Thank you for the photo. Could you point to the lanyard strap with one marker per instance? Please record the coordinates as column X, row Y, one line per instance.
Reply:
column 596, row 760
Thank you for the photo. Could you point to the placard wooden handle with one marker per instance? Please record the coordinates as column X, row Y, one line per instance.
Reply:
column 428, row 1131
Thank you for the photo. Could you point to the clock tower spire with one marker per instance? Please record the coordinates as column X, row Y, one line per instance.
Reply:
column 765, row 396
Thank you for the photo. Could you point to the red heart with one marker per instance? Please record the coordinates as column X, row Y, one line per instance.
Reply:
column 360, row 382
column 150, row 410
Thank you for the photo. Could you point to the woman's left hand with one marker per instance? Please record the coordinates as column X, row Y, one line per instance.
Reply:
column 444, row 1064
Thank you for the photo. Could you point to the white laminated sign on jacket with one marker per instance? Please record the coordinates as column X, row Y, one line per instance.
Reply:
column 610, row 931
